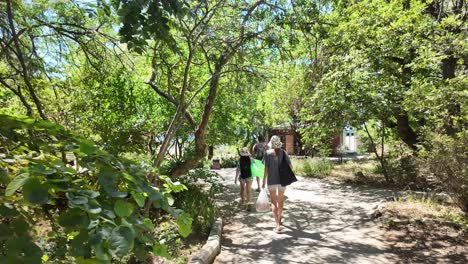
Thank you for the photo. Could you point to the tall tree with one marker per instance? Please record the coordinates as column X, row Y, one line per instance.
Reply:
column 37, row 38
column 209, row 35
column 390, row 61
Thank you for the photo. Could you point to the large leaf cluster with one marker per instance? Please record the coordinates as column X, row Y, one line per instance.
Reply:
column 94, row 201
column 386, row 60
column 146, row 20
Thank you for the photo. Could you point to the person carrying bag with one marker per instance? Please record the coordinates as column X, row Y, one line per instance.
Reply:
column 278, row 173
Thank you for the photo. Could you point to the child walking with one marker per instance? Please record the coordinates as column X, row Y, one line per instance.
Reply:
column 245, row 177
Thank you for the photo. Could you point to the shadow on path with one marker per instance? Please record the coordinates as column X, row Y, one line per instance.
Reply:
column 323, row 223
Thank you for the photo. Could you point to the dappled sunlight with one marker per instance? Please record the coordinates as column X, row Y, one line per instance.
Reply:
column 323, row 223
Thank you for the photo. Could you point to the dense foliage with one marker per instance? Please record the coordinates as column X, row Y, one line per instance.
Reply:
column 87, row 201
column 85, row 83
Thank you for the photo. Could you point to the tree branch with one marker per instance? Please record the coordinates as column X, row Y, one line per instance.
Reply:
column 18, row 93
column 174, row 101
column 22, row 62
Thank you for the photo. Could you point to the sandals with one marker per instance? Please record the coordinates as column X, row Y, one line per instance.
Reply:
column 278, row 230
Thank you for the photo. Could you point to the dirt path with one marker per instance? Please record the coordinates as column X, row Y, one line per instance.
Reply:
column 324, row 223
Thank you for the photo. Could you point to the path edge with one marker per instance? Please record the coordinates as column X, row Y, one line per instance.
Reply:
column 212, row 247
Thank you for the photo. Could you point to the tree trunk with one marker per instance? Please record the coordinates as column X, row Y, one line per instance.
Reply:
column 379, row 158
column 200, row 144
column 24, row 69
column 448, row 72
column 210, row 152
column 405, row 132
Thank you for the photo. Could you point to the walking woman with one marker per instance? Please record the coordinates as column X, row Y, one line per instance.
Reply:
column 273, row 161
column 245, row 177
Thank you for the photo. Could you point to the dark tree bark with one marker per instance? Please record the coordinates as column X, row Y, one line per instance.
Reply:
column 18, row 93
column 454, row 110
column 200, row 143
column 210, row 152
column 24, row 68
column 405, row 132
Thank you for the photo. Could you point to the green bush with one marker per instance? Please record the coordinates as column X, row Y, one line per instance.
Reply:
column 447, row 159
column 198, row 203
column 198, row 200
column 229, row 162
column 403, row 170
column 91, row 210
column 317, row 168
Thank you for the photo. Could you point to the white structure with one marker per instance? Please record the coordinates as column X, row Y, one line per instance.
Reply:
column 349, row 139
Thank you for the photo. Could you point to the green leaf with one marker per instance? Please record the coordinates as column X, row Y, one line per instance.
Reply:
column 170, row 199
column 16, row 183
column 4, row 176
column 149, row 224
column 122, row 208
column 121, row 241
column 161, row 250
column 140, row 252
column 157, row 196
column 7, row 212
column 23, row 246
column 35, row 192
column 80, row 245
column 87, row 147
column 101, row 252
column 139, row 198
column 93, row 207
column 129, row 177
column 81, row 260
column 175, row 187
column 5, row 232
column 41, row 169
column 184, row 222
column 76, row 199
column 108, row 182
column 74, row 218
column 93, row 223
column 89, row 193
column 20, row 226
column 45, row 258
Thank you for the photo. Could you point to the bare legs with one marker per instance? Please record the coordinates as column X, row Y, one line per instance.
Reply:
column 258, row 184
column 277, row 204
column 280, row 205
column 249, row 192
column 242, row 191
column 274, row 207
column 246, row 190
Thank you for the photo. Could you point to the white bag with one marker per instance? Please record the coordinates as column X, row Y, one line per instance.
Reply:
column 262, row 204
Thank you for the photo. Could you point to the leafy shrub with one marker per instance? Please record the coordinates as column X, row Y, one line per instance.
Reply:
column 447, row 159
column 169, row 165
column 229, row 162
column 170, row 238
column 91, row 209
column 198, row 200
column 204, row 164
column 402, row 170
column 318, row 168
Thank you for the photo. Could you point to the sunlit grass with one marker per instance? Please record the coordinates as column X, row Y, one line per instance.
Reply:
column 312, row 167
column 418, row 208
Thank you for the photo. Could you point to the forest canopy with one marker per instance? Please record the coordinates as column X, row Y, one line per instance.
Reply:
column 137, row 93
